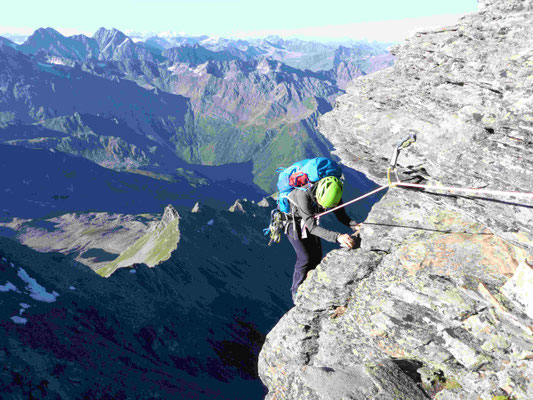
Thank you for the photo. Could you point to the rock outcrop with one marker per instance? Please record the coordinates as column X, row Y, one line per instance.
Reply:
column 197, row 208
column 152, row 248
column 437, row 301
column 169, row 215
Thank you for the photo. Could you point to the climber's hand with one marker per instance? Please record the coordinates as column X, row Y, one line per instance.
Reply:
column 357, row 228
column 346, row 240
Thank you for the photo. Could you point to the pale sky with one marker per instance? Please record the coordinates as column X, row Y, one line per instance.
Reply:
column 382, row 20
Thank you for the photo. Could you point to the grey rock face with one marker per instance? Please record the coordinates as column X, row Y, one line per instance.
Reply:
column 466, row 91
column 264, row 202
column 436, row 302
column 237, row 207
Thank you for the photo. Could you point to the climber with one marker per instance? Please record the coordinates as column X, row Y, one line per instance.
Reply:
column 304, row 233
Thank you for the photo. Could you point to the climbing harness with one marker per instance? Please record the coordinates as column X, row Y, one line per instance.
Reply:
column 397, row 183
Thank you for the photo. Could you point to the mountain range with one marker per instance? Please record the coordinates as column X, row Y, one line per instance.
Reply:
column 128, row 267
column 156, row 104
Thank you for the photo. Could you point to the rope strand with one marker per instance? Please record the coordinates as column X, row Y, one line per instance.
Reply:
column 467, row 190
column 352, row 201
column 430, row 187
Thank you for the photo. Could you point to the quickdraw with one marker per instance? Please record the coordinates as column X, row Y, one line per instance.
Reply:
column 277, row 225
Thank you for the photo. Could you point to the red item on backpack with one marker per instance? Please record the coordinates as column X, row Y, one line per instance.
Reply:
column 298, row 179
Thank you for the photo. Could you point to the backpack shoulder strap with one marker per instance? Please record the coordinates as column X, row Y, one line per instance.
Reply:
column 293, row 219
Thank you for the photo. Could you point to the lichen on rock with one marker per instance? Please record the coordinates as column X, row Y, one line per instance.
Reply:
column 435, row 303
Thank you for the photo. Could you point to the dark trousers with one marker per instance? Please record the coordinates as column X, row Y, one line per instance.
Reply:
column 308, row 256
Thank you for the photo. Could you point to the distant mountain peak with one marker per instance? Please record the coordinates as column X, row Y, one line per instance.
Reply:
column 102, row 30
column 107, row 35
column 42, row 34
column 115, row 45
column 49, row 31
column 151, row 249
column 53, row 45
column 169, row 215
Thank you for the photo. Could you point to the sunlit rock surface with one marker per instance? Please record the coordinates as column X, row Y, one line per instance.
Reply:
column 437, row 301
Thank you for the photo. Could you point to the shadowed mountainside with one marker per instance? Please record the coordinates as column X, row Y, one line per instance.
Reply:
column 71, row 184
column 191, row 327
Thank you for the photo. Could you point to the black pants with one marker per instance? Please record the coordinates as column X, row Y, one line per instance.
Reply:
column 308, row 256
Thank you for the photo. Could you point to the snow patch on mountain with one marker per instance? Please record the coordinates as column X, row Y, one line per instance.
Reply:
column 56, row 61
column 24, row 307
column 37, row 292
column 263, row 67
column 211, row 40
column 200, row 69
column 8, row 287
column 19, row 320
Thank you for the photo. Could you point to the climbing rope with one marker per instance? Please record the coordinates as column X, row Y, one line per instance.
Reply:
column 526, row 195
column 391, row 184
column 379, row 189
column 497, row 193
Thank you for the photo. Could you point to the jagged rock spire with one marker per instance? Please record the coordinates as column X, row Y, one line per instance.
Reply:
column 237, row 206
column 169, row 215
column 196, row 208
column 264, row 203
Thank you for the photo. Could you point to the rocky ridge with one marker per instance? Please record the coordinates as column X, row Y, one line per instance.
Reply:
column 174, row 104
column 93, row 239
column 437, row 302
column 190, row 328
column 152, row 248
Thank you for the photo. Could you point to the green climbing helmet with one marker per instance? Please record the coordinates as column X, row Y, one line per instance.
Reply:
column 328, row 191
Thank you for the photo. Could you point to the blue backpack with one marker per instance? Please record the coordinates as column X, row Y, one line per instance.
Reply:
column 301, row 175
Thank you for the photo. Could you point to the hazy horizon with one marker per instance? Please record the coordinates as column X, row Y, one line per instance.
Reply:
column 381, row 20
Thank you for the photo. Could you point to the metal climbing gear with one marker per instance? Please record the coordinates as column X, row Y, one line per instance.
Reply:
column 278, row 221
column 402, row 144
